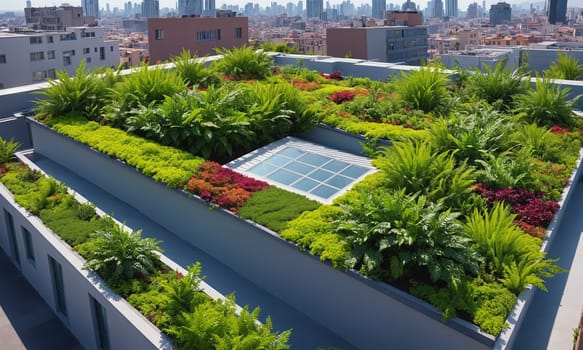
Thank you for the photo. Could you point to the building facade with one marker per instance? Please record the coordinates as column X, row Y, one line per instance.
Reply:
column 28, row 57
column 500, row 13
column 379, row 8
column 402, row 44
column 557, row 11
column 56, row 18
column 201, row 35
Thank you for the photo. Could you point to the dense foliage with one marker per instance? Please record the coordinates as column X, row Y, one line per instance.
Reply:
column 463, row 195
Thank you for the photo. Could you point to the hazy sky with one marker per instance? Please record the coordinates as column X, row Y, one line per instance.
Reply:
column 18, row 5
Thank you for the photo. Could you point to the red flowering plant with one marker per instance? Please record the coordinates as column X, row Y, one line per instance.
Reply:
column 342, row 96
column 529, row 206
column 559, row 130
column 223, row 186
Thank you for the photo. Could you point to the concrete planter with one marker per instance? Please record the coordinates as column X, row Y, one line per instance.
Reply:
column 126, row 327
column 366, row 313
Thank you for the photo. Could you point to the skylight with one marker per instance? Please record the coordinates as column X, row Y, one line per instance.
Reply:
column 312, row 170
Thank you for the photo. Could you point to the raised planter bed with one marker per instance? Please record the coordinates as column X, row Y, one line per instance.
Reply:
column 367, row 314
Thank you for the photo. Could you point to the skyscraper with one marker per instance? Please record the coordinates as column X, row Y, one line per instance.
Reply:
column 438, row 9
column 189, row 7
column 451, row 8
column 500, row 13
column 314, row 8
column 379, row 9
column 150, row 9
column 209, row 8
column 91, row 8
column 557, row 11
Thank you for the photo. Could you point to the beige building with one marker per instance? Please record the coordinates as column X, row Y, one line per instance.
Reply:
column 201, row 35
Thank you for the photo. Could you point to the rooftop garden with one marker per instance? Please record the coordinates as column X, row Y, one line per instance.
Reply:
column 131, row 267
column 460, row 205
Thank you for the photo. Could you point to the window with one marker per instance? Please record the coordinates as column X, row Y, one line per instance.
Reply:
column 28, row 245
column 36, row 39
column 86, row 51
column 66, row 60
column 51, row 54
column 2, row 59
column 12, row 236
column 37, row 56
column 238, row 33
column 58, row 286
column 99, row 324
column 158, row 34
column 38, row 76
column 209, row 35
column 85, row 34
column 51, row 73
column 68, row 36
column 111, row 48
column 88, row 60
column 102, row 53
column 69, row 53
column 50, row 39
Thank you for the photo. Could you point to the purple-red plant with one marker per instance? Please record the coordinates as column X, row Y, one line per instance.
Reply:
column 342, row 96
column 223, row 186
column 529, row 206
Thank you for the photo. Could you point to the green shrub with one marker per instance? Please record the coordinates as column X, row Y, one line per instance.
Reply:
column 144, row 87
column 243, row 63
column 493, row 304
column 565, row 67
column 193, row 70
column 274, row 207
column 122, row 255
column 547, row 104
column 86, row 211
column 507, row 169
column 424, row 89
column 63, row 219
column 85, row 93
column 162, row 163
column 497, row 85
column 375, row 130
column 7, row 150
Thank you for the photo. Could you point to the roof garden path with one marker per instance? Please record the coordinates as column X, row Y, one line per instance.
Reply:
column 306, row 333
column 552, row 315
column 26, row 321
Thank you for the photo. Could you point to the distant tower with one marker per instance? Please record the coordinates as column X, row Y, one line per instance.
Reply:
column 209, row 8
column 91, row 8
column 500, row 13
column 314, row 8
column 379, row 9
column 451, row 8
column 28, row 4
column 150, row 9
column 438, row 9
column 189, row 7
column 557, row 11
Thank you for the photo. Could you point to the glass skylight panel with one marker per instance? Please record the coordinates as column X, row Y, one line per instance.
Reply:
column 318, row 172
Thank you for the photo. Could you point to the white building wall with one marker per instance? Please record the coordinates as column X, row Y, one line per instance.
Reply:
column 19, row 69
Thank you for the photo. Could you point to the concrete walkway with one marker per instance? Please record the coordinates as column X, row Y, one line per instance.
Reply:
column 26, row 321
column 552, row 316
column 306, row 334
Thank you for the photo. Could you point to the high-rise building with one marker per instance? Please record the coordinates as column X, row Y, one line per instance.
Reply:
column 56, row 18
column 314, row 8
column 500, row 13
column 150, row 9
column 189, row 7
column 472, row 10
column 557, row 11
column 28, row 4
column 451, row 8
column 438, row 9
column 91, row 8
column 209, row 8
column 379, row 9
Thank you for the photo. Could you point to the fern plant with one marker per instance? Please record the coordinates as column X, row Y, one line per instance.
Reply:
column 7, row 149
column 498, row 85
column 121, row 255
column 424, row 89
column 565, row 67
column 193, row 70
column 506, row 169
column 547, row 104
column 393, row 236
column 244, row 63
column 86, row 93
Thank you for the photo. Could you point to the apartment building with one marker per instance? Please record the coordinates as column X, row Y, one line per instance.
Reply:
column 407, row 45
column 201, row 35
column 28, row 56
column 56, row 18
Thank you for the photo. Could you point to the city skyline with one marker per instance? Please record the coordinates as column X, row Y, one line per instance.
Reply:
column 462, row 4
